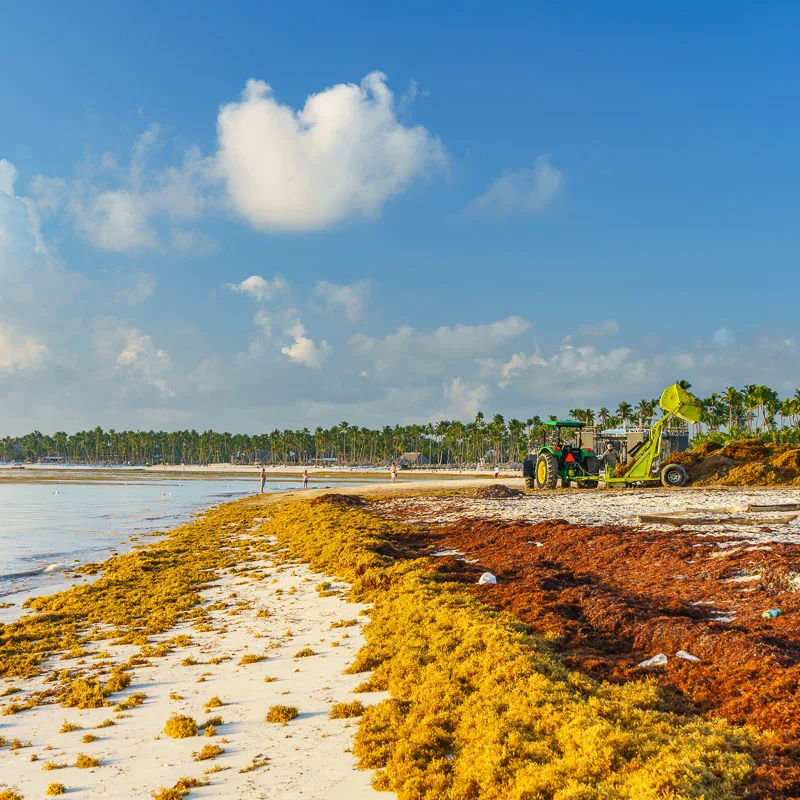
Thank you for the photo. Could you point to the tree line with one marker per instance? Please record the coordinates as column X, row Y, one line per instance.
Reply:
column 754, row 410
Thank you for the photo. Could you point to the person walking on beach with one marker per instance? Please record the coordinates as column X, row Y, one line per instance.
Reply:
column 263, row 479
column 393, row 471
column 305, row 479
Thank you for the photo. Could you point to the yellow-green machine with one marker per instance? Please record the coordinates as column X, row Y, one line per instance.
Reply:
column 573, row 464
column 676, row 402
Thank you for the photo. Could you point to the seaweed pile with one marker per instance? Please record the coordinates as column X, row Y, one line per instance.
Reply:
column 481, row 704
column 346, row 500
column 748, row 462
column 608, row 598
column 497, row 491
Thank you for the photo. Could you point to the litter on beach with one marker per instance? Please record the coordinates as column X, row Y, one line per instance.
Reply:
column 686, row 656
column 655, row 661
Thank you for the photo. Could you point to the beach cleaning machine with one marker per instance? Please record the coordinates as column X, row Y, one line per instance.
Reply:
column 580, row 466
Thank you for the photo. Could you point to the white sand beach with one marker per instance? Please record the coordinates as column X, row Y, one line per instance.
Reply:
column 309, row 757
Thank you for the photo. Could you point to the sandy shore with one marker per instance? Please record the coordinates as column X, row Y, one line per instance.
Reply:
column 309, row 757
column 8, row 472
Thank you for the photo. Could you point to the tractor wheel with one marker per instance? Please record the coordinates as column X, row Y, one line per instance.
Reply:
column 592, row 467
column 546, row 471
column 529, row 473
column 674, row 475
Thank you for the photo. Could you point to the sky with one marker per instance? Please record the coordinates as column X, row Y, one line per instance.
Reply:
column 245, row 216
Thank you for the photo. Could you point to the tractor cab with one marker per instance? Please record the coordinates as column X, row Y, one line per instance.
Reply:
column 562, row 456
column 562, row 433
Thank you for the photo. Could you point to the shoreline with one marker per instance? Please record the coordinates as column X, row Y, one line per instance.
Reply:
column 8, row 472
column 248, row 606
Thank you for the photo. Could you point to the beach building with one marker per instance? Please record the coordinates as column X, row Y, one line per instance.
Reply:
column 412, row 460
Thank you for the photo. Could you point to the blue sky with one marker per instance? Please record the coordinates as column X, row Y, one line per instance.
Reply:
column 516, row 207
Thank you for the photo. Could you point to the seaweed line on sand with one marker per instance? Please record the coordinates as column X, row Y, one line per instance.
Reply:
column 479, row 707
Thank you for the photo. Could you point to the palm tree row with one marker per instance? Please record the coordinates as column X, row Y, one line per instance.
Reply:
column 754, row 410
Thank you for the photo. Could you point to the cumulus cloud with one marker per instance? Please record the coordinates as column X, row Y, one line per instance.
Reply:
column 426, row 352
column 32, row 278
column 526, row 192
column 304, row 350
column 122, row 209
column 350, row 299
column 575, row 363
column 134, row 356
column 8, row 176
column 19, row 351
column 465, row 400
column 260, row 288
column 344, row 154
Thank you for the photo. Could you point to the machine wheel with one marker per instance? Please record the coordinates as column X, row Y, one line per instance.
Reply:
column 546, row 471
column 592, row 467
column 674, row 475
column 529, row 473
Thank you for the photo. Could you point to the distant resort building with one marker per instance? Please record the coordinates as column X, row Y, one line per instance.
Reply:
column 412, row 460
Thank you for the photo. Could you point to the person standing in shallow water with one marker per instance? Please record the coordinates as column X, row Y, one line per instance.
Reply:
column 393, row 471
column 305, row 479
column 263, row 479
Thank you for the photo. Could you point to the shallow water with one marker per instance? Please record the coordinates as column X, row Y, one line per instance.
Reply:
column 47, row 527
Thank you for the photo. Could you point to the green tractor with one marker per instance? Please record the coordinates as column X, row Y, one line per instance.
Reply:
column 563, row 456
column 575, row 464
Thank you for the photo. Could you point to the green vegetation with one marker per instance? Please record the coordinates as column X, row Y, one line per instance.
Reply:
column 753, row 409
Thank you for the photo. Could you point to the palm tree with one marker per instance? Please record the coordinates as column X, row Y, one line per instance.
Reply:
column 624, row 411
column 733, row 398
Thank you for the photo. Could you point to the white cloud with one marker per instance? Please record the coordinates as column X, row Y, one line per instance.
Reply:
column 116, row 220
column 19, row 351
column 260, row 288
column 263, row 321
column 8, row 176
column 121, row 210
column 304, row 350
column 32, row 277
column 570, row 363
column 344, row 154
column 350, row 299
column 465, row 400
column 428, row 352
column 526, row 192
column 132, row 354
column 723, row 338
column 49, row 193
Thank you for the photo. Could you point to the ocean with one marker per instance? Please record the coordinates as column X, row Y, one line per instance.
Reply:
column 47, row 527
